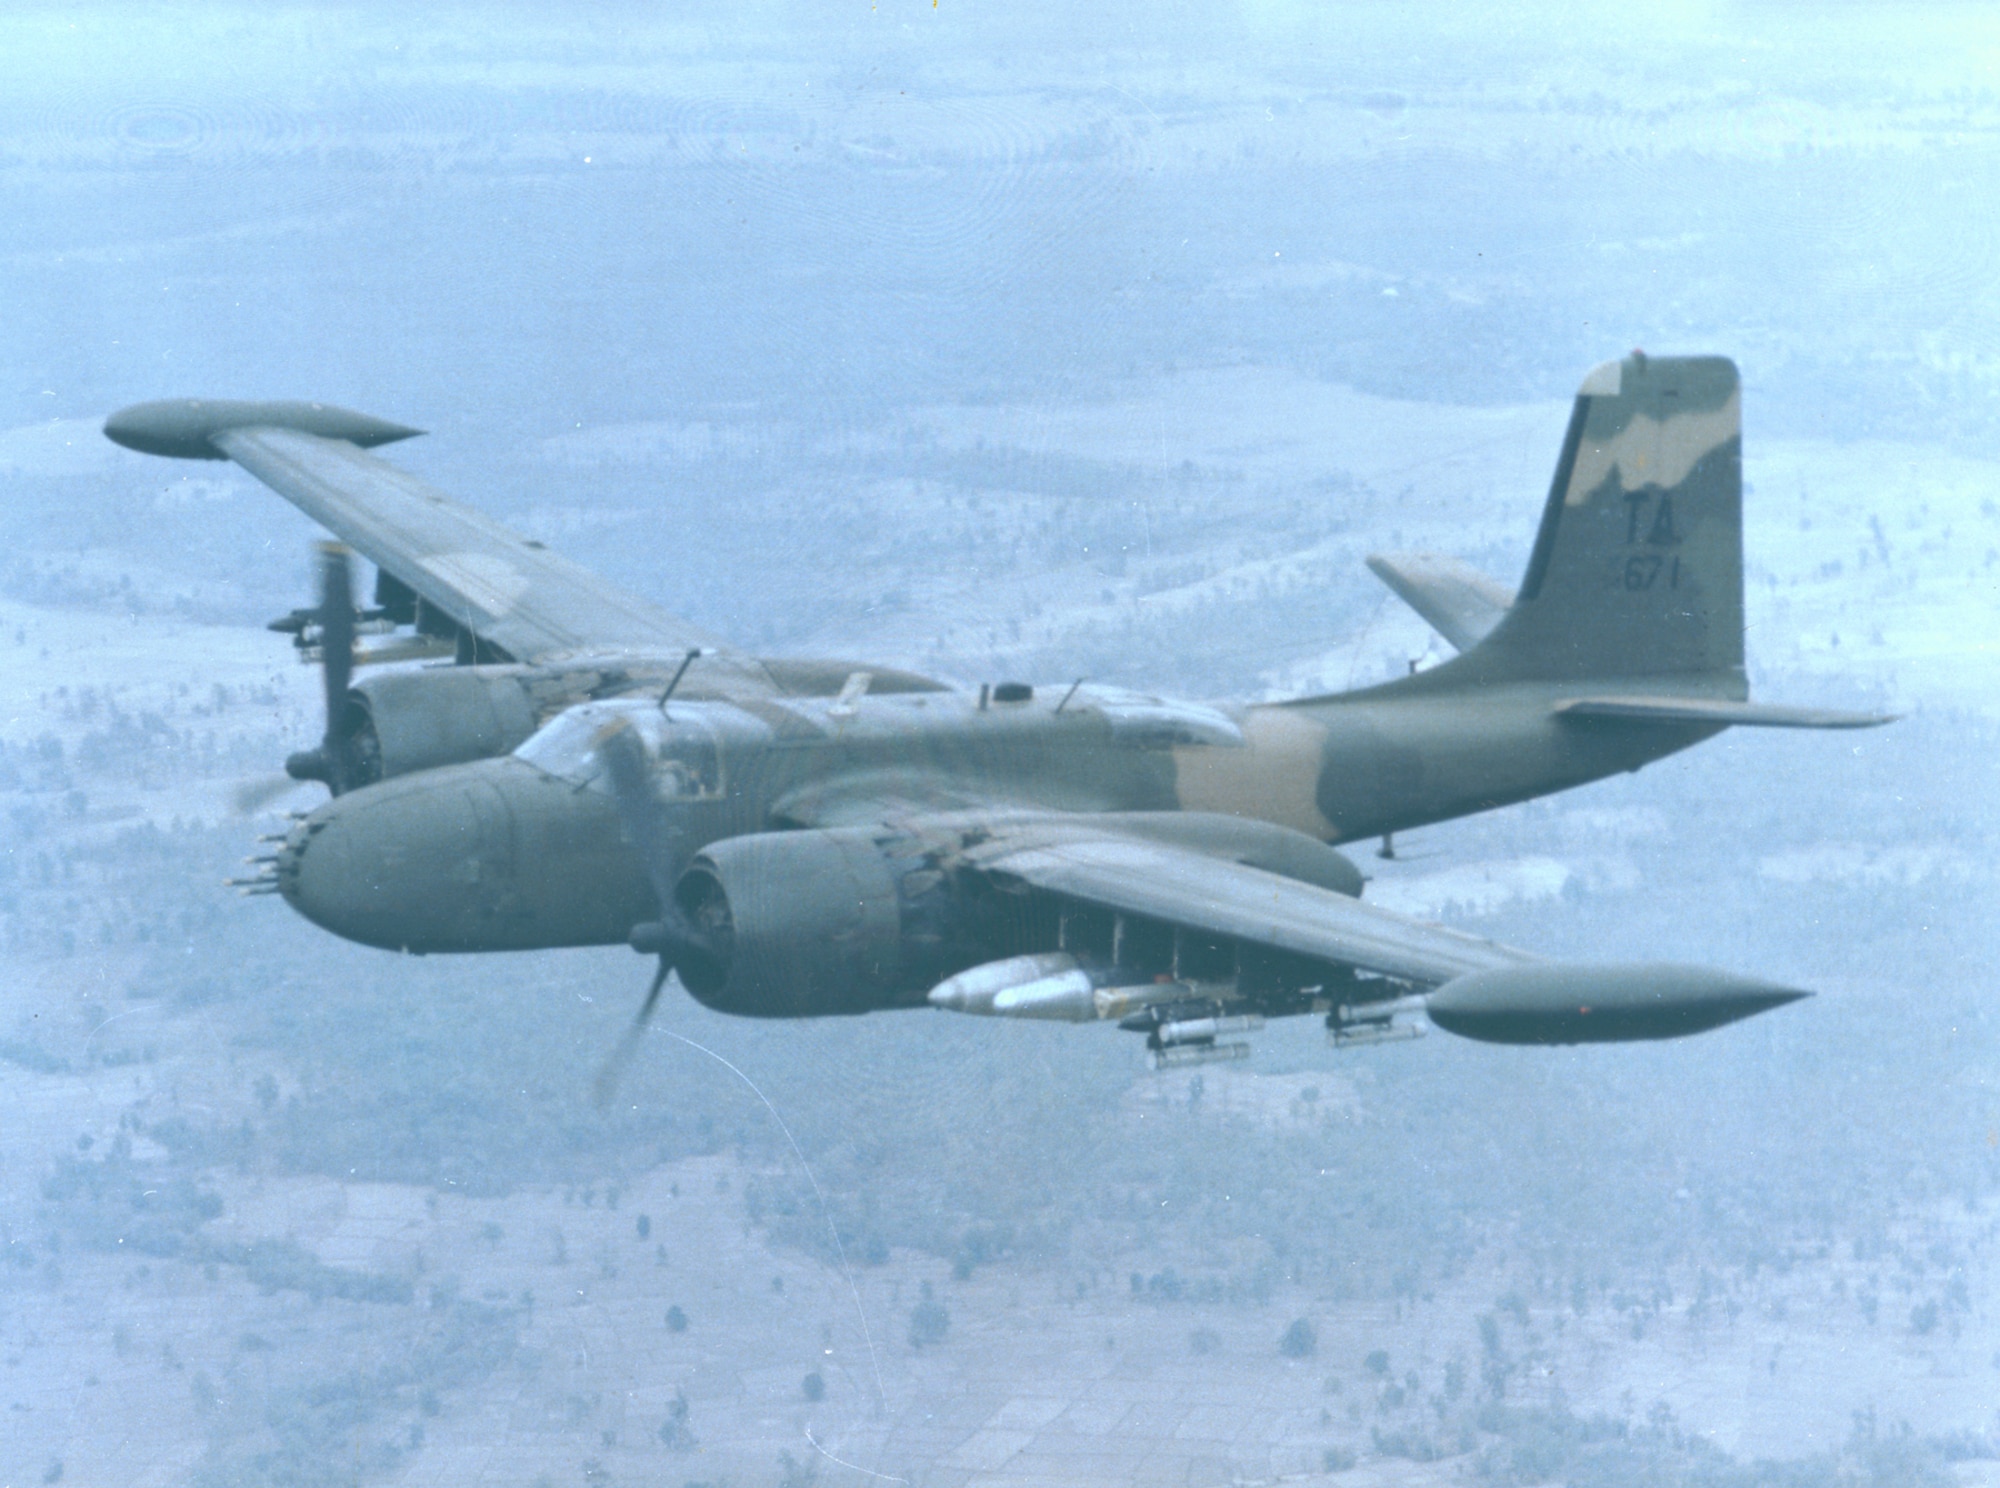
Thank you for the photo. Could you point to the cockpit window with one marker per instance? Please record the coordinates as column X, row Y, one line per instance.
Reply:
column 683, row 747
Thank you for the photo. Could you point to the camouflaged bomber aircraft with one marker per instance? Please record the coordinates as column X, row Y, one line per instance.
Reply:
column 798, row 838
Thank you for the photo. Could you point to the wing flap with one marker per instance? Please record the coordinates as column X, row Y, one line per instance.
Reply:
column 1219, row 897
column 1720, row 712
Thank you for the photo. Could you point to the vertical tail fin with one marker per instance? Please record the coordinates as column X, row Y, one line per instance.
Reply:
column 1638, row 567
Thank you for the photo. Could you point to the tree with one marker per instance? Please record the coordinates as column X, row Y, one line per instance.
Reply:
column 928, row 1320
column 676, row 1435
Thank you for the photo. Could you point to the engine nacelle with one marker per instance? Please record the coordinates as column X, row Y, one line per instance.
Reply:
column 849, row 920
column 803, row 924
column 417, row 720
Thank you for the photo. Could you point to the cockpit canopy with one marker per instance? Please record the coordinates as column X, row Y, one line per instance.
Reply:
column 685, row 745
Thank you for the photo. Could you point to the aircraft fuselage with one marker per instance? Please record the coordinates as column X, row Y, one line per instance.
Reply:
column 526, row 851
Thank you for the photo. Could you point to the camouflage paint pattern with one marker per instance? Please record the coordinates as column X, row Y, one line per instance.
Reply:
column 1633, row 588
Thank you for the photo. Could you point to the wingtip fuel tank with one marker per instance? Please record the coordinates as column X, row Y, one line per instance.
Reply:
column 185, row 428
column 1586, row 1004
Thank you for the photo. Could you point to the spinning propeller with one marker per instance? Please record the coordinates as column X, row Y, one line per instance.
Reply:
column 335, row 620
column 252, row 796
column 660, row 842
column 334, row 624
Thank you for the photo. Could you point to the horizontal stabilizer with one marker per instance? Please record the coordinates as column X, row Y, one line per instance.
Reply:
column 1544, row 1004
column 1718, row 712
column 1458, row 601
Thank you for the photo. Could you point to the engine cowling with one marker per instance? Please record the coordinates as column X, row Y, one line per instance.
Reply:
column 804, row 924
column 398, row 722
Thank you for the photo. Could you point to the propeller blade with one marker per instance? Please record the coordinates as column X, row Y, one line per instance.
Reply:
column 252, row 796
column 659, row 842
column 639, row 811
column 335, row 618
column 336, row 631
column 606, row 1084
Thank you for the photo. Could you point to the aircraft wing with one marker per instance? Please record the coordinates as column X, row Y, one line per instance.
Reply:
column 1458, row 601
column 505, row 588
column 508, row 590
column 1152, row 865
column 1220, row 897
column 1476, row 988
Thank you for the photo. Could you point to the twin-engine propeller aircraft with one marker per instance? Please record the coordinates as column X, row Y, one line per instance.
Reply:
column 797, row 838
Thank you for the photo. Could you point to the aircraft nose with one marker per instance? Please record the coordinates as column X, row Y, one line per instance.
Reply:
column 421, row 864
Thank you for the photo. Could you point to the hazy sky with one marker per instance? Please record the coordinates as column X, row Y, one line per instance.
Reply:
column 1008, row 340
column 610, row 209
